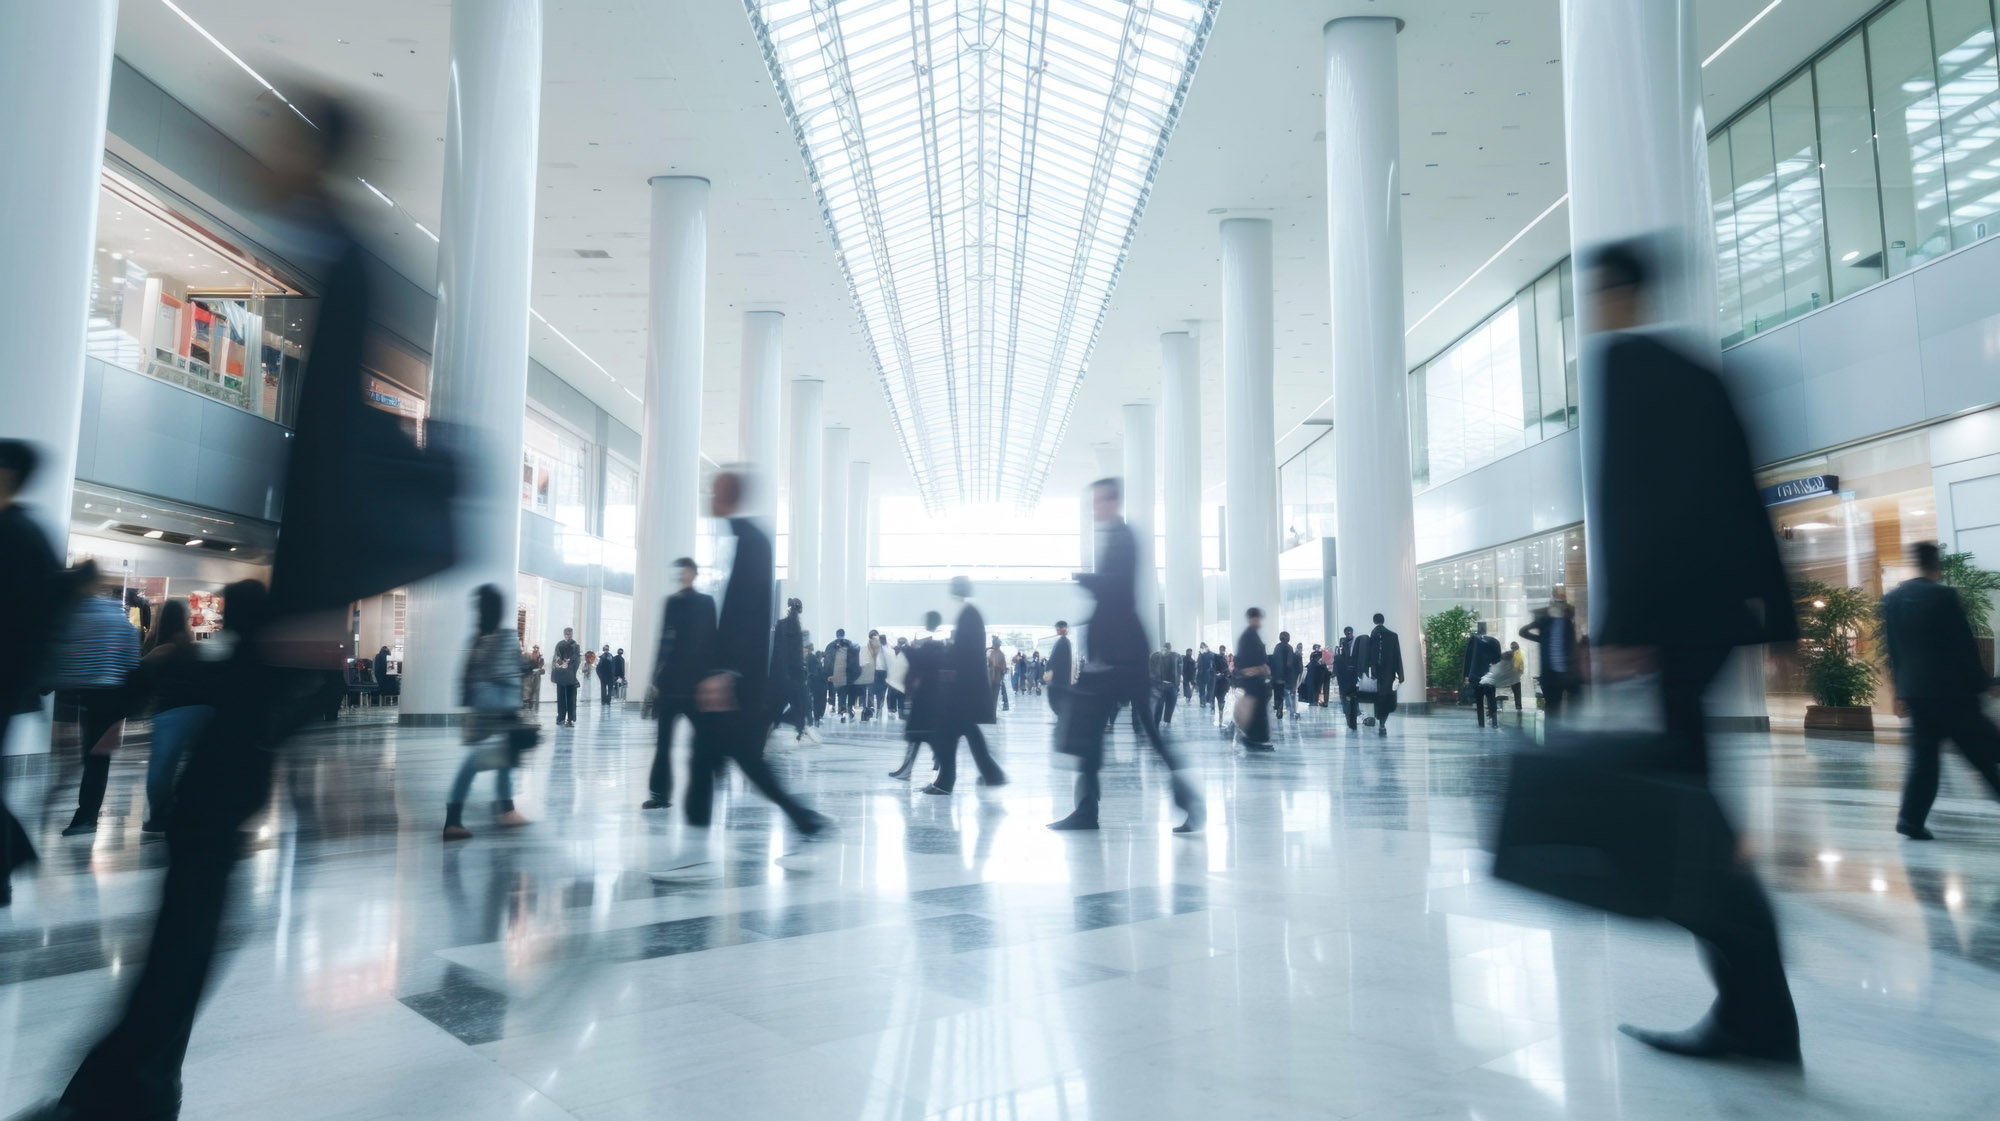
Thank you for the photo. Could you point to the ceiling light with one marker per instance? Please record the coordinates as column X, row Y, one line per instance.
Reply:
column 231, row 55
column 1814, row 525
column 980, row 327
column 155, row 534
column 1731, row 41
column 192, row 541
column 1849, row 255
column 372, row 189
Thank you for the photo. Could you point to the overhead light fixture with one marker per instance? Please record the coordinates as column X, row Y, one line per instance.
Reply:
column 1731, row 41
column 156, row 534
column 982, row 169
column 1814, row 525
column 231, row 56
column 192, row 541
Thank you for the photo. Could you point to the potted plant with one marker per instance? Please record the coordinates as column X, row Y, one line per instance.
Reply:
column 1975, row 588
column 1444, row 653
column 1841, row 681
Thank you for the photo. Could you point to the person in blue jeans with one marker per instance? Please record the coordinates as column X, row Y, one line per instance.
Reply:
column 492, row 690
column 171, row 671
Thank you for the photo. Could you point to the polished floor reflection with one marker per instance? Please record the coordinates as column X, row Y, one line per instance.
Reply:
column 1331, row 947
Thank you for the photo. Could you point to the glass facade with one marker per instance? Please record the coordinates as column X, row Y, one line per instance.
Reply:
column 1880, row 154
column 555, row 467
column 175, row 299
column 1505, row 384
column 1504, row 586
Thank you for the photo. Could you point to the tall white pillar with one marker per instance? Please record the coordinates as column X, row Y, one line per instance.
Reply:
column 1249, row 436
column 834, row 482
column 1180, row 383
column 857, row 549
column 55, row 71
column 1375, row 515
column 1140, row 504
column 802, row 541
column 1638, row 168
column 1086, row 532
column 479, row 357
column 761, row 414
column 670, row 454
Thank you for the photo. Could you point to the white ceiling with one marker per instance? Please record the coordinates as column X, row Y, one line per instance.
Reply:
column 637, row 88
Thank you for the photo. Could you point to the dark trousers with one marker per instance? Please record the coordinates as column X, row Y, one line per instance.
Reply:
column 1258, row 689
column 15, row 848
column 1094, row 709
column 135, row 1069
column 1385, row 703
column 794, row 707
column 1350, row 704
column 1738, row 936
column 1486, row 701
column 723, row 736
column 1555, row 687
column 1932, row 721
column 669, row 710
column 565, row 703
column 95, row 712
column 1163, row 708
column 1516, row 687
column 945, row 749
column 818, row 690
column 1685, row 672
column 1000, row 693
column 603, row 689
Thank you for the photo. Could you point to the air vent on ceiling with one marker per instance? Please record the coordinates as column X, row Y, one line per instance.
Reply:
column 593, row 254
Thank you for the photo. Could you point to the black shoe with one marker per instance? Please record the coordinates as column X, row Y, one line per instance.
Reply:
column 900, row 773
column 655, row 803
column 1914, row 832
column 1707, row 1041
column 817, row 826
column 1075, row 823
column 153, row 826
column 1196, row 818
column 79, row 827
column 934, row 788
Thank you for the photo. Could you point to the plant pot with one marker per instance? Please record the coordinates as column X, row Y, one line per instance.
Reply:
column 1439, row 696
column 1840, row 718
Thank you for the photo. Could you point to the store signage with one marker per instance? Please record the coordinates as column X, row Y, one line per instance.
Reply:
column 385, row 399
column 1792, row 490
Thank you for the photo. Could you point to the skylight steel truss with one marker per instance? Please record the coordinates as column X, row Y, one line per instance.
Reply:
column 982, row 166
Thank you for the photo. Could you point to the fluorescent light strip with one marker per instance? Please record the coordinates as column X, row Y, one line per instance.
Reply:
column 376, row 191
column 1731, row 41
column 586, row 355
column 231, row 55
column 1501, row 252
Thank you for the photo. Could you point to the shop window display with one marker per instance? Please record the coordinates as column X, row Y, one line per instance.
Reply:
column 176, row 300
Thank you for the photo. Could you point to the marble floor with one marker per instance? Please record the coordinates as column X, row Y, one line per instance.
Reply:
column 1331, row 946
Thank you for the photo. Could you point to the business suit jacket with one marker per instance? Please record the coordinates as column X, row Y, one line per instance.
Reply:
column 1933, row 654
column 1383, row 654
column 742, row 646
column 1481, row 651
column 1557, row 634
column 971, row 697
column 1116, row 637
column 687, row 633
column 1204, row 669
column 788, row 650
column 1688, row 557
column 924, row 685
column 1062, row 665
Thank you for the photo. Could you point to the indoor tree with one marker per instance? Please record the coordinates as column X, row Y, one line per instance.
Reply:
column 1831, row 622
column 1444, row 646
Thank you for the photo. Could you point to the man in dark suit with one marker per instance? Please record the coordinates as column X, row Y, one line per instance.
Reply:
column 1671, row 455
column 1379, row 654
column 1934, row 659
column 1114, row 670
column 1165, row 668
column 1346, row 674
column 969, row 698
column 1482, row 650
column 790, row 703
column 1204, row 676
column 1554, row 627
column 687, row 640
column 29, row 565
column 730, row 693
column 1062, row 670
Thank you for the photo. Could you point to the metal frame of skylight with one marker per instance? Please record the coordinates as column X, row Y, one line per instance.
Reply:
column 982, row 166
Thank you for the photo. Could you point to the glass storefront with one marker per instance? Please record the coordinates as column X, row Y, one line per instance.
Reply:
column 1877, row 156
column 1504, row 586
column 174, row 298
column 555, row 479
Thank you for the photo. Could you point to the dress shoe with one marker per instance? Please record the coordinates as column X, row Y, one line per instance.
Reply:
column 818, row 826
column 1708, row 1040
column 655, row 803
column 79, row 827
column 457, row 833
column 899, row 773
column 1075, row 822
column 934, row 788
column 1914, row 832
column 1196, row 818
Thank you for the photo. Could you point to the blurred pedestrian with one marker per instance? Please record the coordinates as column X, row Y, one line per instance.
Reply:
column 1934, row 660
column 924, row 686
column 996, row 673
column 490, row 688
column 968, row 698
column 790, row 702
column 1347, row 679
column 565, row 674
column 1253, row 676
column 173, row 681
column 1676, row 603
column 1482, row 653
column 685, row 655
column 28, row 566
column 97, row 648
column 1554, row 628
column 1379, row 656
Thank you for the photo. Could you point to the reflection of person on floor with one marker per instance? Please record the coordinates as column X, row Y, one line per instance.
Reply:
column 1934, row 659
column 1677, row 602
column 1114, row 668
column 730, row 697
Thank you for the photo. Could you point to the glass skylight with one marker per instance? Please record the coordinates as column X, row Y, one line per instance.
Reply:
column 982, row 165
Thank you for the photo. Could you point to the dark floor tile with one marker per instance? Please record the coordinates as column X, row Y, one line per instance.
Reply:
column 955, row 934
column 463, row 1006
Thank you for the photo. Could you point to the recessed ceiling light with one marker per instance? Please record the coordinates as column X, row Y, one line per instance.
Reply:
column 1849, row 255
column 155, row 534
column 192, row 541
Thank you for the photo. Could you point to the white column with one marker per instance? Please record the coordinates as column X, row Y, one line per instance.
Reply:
column 834, row 483
column 1180, row 382
column 55, row 75
column 1140, row 503
column 857, row 550
column 1249, row 429
column 802, row 540
column 670, row 454
column 1086, row 532
column 761, row 414
column 1375, row 517
column 479, row 357
column 1638, row 168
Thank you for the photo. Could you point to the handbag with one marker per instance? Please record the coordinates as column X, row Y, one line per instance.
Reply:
column 1366, row 683
column 1468, row 694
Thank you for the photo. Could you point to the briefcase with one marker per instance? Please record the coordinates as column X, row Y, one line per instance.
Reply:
column 1598, row 819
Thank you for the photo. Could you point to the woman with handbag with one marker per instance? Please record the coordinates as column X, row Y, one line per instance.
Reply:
column 493, row 739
